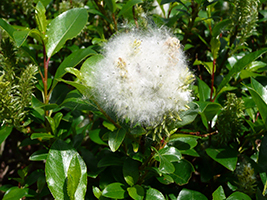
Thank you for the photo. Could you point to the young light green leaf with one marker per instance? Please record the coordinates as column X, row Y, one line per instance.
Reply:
column 114, row 191
column 109, row 126
column 218, row 194
column 42, row 136
column 59, row 161
column 40, row 17
column 137, row 192
column 116, row 138
column 186, row 194
column 97, row 192
column 65, row 26
column 225, row 156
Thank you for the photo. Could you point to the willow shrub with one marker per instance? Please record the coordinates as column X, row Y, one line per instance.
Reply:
column 133, row 99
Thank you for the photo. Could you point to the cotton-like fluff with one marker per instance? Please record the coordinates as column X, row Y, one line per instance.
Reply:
column 143, row 77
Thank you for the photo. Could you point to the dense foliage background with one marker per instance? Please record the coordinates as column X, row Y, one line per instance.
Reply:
column 58, row 143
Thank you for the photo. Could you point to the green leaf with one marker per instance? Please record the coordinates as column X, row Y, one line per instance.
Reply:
column 218, row 194
column 220, row 27
column 65, row 26
column 115, row 191
column 258, row 94
column 97, row 192
column 5, row 132
column 171, row 153
column 203, row 90
column 116, row 138
column 94, row 136
column 15, row 193
column 21, row 36
column 109, row 126
column 186, row 194
column 59, row 162
column 71, row 61
column 130, row 171
column 225, row 156
column 7, row 27
column 128, row 7
column 153, row 194
column 238, row 195
column 187, row 116
column 183, row 141
column 215, row 47
column 52, row 124
column 73, row 177
column 39, row 155
column 207, row 65
column 40, row 17
column 165, row 165
column 240, row 65
column 137, row 192
column 110, row 161
column 183, row 172
column 111, row 5
column 42, row 136
column 165, row 179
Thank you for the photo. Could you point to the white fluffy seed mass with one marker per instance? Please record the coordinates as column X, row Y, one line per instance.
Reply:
column 143, row 77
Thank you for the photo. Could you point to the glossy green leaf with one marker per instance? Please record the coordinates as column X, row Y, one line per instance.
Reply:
column 136, row 192
column 186, row 194
column 171, row 153
column 259, row 95
column 116, row 138
column 115, row 191
column 153, row 194
column 7, row 27
column 183, row 141
column 80, row 87
column 42, row 136
column 71, row 61
column 39, row 155
column 203, row 90
column 64, row 27
column 165, row 165
column 59, row 162
column 130, row 171
column 15, row 193
column 97, row 192
column 73, row 177
column 21, row 36
column 40, row 17
column 183, row 172
column 128, row 7
column 218, row 194
column 207, row 65
column 240, row 65
column 5, row 132
column 209, row 109
column 165, row 179
column 238, row 195
column 187, row 116
column 52, row 124
column 225, row 156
